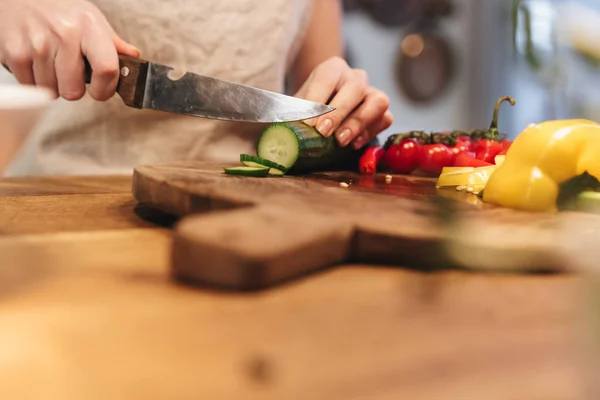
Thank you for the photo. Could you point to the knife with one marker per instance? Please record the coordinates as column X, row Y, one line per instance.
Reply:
column 147, row 85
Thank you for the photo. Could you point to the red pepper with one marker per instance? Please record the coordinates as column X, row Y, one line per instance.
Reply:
column 491, row 145
column 466, row 141
column 434, row 157
column 506, row 146
column 467, row 159
column 459, row 148
column 370, row 159
column 404, row 157
column 487, row 150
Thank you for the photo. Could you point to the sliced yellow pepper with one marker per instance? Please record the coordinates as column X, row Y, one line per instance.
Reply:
column 451, row 170
column 459, row 176
column 470, row 179
column 541, row 158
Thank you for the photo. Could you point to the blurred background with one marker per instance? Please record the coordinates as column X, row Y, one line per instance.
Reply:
column 444, row 63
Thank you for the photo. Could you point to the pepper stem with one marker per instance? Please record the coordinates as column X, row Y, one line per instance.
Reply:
column 494, row 124
column 492, row 133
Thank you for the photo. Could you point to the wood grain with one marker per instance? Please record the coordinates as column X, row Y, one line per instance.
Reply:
column 354, row 332
column 75, row 212
column 49, row 185
column 377, row 224
column 271, row 246
column 96, row 315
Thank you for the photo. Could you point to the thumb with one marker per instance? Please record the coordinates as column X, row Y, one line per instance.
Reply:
column 123, row 47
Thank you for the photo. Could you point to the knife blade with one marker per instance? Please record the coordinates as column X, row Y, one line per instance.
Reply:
column 148, row 85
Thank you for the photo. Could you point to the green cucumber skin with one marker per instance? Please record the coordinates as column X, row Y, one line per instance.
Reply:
column 257, row 172
column 318, row 153
column 255, row 161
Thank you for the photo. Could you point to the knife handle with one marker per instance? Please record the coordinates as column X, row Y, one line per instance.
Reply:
column 132, row 79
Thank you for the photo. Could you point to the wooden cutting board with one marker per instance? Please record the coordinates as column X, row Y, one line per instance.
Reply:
column 251, row 233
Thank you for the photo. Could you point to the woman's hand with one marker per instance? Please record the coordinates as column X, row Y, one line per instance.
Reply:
column 43, row 43
column 361, row 110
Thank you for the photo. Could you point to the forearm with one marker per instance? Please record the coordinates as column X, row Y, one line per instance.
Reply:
column 323, row 40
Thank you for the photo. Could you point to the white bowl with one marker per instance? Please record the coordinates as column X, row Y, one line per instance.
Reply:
column 21, row 108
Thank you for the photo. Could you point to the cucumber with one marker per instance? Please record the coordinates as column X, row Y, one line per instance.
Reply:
column 248, row 171
column 254, row 161
column 301, row 148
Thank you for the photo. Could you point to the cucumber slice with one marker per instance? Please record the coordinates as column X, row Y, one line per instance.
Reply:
column 276, row 172
column 301, row 148
column 280, row 144
column 248, row 171
column 254, row 161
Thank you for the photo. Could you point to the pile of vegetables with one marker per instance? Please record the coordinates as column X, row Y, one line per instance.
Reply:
column 295, row 147
column 551, row 166
column 430, row 153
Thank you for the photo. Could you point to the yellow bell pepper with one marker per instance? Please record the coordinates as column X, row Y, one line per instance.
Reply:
column 470, row 179
column 541, row 158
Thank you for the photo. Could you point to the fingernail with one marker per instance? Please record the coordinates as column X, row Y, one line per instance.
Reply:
column 324, row 127
column 343, row 136
column 359, row 142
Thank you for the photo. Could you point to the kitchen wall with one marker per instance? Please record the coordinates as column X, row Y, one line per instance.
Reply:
column 481, row 34
column 374, row 48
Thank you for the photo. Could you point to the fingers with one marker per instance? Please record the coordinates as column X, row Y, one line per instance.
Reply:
column 16, row 54
column 361, row 110
column 371, row 131
column 44, row 51
column 324, row 81
column 97, row 46
column 21, row 68
column 102, row 47
column 122, row 46
column 70, row 71
column 22, row 71
column 350, row 95
column 372, row 109
column 47, row 49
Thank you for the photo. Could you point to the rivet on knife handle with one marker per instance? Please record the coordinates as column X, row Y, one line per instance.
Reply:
column 133, row 73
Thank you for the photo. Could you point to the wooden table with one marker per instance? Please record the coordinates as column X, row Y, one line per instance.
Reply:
column 88, row 311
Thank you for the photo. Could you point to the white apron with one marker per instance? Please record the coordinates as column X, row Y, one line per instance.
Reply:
column 247, row 41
